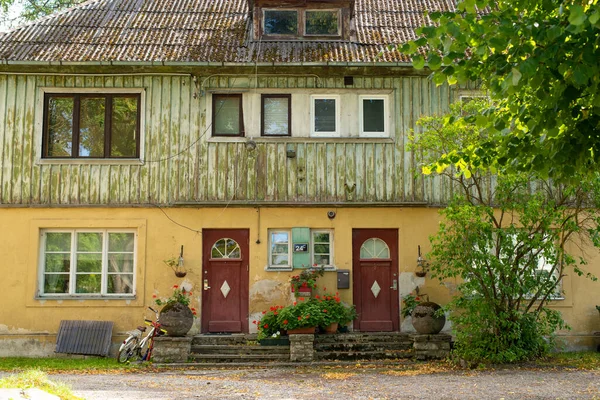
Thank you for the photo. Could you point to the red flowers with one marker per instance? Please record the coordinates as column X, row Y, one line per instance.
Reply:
column 324, row 311
column 153, row 296
column 254, row 322
column 317, row 297
column 295, row 302
column 285, row 321
column 265, row 326
column 175, row 286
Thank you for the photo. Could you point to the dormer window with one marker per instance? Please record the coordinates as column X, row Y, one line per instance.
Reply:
column 322, row 22
column 280, row 22
column 302, row 23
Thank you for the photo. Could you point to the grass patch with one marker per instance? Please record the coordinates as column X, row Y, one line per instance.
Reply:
column 37, row 379
column 581, row 360
column 98, row 364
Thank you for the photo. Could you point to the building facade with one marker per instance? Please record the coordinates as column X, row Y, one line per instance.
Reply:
column 252, row 139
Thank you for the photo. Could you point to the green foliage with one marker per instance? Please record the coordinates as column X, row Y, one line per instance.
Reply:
column 301, row 314
column 505, row 239
column 33, row 9
column 269, row 326
column 537, row 59
column 334, row 311
column 409, row 302
column 37, row 379
column 179, row 295
column 307, row 279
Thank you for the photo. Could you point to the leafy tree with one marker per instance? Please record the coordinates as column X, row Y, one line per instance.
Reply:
column 538, row 60
column 32, row 9
column 508, row 240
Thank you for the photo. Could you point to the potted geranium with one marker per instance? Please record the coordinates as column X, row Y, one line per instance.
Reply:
column 335, row 313
column 303, row 283
column 301, row 317
column 269, row 329
column 176, row 316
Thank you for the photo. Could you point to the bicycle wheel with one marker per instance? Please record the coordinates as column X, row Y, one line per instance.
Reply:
column 128, row 351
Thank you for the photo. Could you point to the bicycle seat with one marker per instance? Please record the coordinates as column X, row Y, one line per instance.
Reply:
column 141, row 328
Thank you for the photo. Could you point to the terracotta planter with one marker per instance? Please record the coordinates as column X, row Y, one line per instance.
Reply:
column 299, row 331
column 424, row 319
column 304, row 292
column 177, row 319
column 331, row 329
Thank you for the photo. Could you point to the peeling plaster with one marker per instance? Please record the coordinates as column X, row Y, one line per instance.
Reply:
column 5, row 329
column 265, row 292
column 408, row 282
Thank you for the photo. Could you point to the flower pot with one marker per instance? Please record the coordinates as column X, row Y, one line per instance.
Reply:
column 176, row 318
column 331, row 328
column 304, row 330
column 304, row 292
column 424, row 318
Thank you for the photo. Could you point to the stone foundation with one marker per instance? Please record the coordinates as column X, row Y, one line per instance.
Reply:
column 428, row 347
column 302, row 347
column 172, row 349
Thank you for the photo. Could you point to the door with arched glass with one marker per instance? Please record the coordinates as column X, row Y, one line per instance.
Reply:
column 225, row 280
column 375, row 279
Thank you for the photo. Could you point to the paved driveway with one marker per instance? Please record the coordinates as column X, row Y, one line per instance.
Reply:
column 336, row 383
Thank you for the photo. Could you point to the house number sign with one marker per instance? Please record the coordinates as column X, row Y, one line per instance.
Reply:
column 300, row 247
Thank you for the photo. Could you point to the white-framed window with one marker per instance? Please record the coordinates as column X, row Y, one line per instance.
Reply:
column 321, row 247
column 87, row 263
column 280, row 249
column 325, row 115
column 373, row 115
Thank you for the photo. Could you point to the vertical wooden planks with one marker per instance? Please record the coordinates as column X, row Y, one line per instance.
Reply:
column 271, row 171
column 186, row 149
column 330, row 176
column 350, row 172
column 301, row 168
column 311, row 173
column 407, row 119
column 291, row 169
column 175, row 154
column 9, row 139
column 164, row 154
column 339, row 193
column 282, row 171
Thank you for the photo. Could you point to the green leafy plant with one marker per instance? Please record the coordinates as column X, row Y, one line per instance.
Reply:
column 179, row 295
column 306, row 279
column 598, row 308
column 334, row 310
column 269, row 325
column 409, row 302
column 301, row 314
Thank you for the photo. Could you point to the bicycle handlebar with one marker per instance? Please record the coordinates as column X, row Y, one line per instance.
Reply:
column 153, row 310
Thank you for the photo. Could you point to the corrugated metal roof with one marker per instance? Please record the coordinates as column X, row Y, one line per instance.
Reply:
column 204, row 31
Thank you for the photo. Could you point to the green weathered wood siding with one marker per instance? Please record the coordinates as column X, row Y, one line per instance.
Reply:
column 182, row 165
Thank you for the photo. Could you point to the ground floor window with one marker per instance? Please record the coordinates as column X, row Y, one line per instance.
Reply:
column 87, row 262
column 300, row 248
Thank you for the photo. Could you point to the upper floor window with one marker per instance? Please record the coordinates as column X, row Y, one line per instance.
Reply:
column 325, row 115
column 91, row 125
column 322, row 22
column 292, row 23
column 87, row 262
column 373, row 116
column 227, row 115
column 276, row 116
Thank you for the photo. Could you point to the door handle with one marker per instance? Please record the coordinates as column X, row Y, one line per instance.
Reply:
column 206, row 287
column 394, row 284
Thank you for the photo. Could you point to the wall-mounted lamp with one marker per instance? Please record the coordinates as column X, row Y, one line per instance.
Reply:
column 422, row 263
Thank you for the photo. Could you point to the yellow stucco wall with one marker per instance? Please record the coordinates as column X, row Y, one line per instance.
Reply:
column 24, row 319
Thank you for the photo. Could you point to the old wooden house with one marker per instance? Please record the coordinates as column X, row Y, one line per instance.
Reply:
column 247, row 139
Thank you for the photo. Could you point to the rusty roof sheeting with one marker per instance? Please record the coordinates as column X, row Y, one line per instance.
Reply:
column 204, row 31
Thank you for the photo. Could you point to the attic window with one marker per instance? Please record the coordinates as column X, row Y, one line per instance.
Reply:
column 322, row 22
column 280, row 22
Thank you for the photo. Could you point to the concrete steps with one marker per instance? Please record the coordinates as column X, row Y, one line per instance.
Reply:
column 363, row 346
column 235, row 349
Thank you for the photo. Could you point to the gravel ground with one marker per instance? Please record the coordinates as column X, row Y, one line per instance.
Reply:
column 336, row 383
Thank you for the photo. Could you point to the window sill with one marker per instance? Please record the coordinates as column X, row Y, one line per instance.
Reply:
column 82, row 297
column 300, row 139
column 89, row 161
column 284, row 268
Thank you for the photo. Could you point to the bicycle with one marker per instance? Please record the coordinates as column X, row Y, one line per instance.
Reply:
column 134, row 345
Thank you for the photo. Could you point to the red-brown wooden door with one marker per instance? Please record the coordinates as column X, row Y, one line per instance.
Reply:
column 375, row 283
column 225, row 280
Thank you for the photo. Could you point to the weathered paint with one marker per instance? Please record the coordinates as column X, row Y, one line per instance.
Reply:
column 182, row 163
column 160, row 237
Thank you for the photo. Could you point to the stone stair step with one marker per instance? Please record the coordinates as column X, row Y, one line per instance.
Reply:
column 366, row 346
column 239, row 349
column 359, row 338
column 236, row 339
column 363, row 355
column 224, row 358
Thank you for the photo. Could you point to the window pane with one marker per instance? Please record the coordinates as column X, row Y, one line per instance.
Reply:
column 56, row 241
column 91, row 241
column 56, row 283
column 60, row 127
column 276, row 116
column 322, row 259
column 374, row 248
column 279, row 237
column 322, row 23
column 373, row 115
column 321, row 248
column 280, row 259
column 121, row 242
column 123, row 139
column 281, row 22
column 321, row 237
column 227, row 115
column 88, row 283
column 58, row 262
column 91, row 127
column 324, row 115
column 120, row 283
column 89, row 262
column 120, row 263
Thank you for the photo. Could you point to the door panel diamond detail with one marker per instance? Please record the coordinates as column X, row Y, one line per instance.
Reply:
column 375, row 289
column 225, row 289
